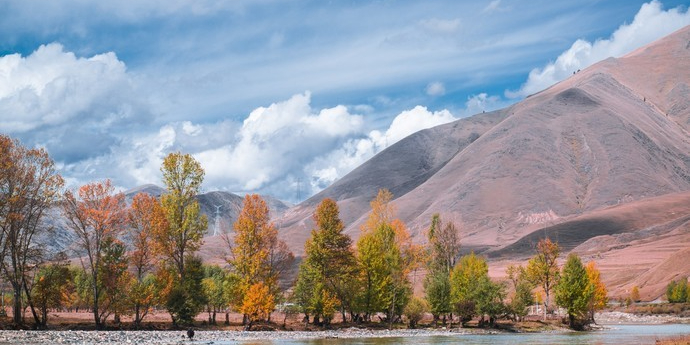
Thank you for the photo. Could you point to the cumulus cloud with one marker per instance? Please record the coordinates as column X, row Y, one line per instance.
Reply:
column 650, row 23
column 276, row 142
column 435, row 89
column 72, row 105
column 326, row 169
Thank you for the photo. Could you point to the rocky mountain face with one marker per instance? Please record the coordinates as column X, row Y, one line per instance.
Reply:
column 571, row 161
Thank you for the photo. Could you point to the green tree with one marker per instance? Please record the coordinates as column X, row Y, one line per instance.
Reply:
column 469, row 280
column 522, row 296
column 677, row 291
column 329, row 257
column 114, row 280
column 414, row 311
column 51, row 289
column 542, row 269
column 214, row 288
column 443, row 250
column 186, row 298
column 182, row 176
column 574, row 291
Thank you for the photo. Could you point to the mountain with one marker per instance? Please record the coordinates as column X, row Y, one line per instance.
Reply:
column 224, row 204
column 572, row 161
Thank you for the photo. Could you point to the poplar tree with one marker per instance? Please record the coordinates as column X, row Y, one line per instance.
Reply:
column 182, row 176
column 542, row 269
column 443, row 249
column 329, row 259
column 573, row 291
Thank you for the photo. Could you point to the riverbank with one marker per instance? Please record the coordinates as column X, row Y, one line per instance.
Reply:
column 206, row 336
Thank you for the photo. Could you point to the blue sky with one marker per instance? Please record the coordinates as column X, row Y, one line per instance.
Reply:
column 268, row 93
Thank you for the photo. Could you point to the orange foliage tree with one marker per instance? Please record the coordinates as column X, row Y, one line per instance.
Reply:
column 146, row 217
column 29, row 185
column 257, row 304
column 257, row 255
column 543, row 270
column 95, row 214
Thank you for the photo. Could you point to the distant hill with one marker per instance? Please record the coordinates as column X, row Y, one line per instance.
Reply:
column 611, row 135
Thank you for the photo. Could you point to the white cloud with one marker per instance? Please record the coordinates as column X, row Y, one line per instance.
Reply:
column 326, row 169
column 276, row 142
column 650, row 23
column 445, row 26
column 51, row 87
column 435, row 89
column 493, row 6
column 482, row 102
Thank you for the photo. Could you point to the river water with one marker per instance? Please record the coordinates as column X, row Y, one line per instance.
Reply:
column 613, row 335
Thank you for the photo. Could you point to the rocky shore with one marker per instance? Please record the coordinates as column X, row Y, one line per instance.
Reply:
column 201, row 337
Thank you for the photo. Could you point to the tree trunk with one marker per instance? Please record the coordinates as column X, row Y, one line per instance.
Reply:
column 17, row 311
column 227, row 318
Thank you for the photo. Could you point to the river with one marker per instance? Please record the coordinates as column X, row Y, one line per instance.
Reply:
column 613, row 335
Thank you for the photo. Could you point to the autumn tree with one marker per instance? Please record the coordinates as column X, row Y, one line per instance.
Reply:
column 542, row 269
column 182, row 176
column 51, row 289
column 472, row 292
column 29, row 185
column 522, row 287
column 414, row 311
column 146, row 217
column 256, row 253
column 94, row 214
column 443, row 250
column 573, row 291
column 257, row 303
column 635, row 294
column 329, row 259
column 676, row 291
column 599, row 292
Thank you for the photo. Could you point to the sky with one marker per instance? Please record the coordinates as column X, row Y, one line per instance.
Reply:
column 283, row 97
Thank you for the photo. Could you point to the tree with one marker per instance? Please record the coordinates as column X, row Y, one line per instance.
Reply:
column 382, row 211
column 599, row 293
column 114, row 280
column 257, row 255
column 542, row 269
column 51, row 289
column 677, row 291
column 214, row 289
column 186, row 298
column 574, row 291
column 443, row 250
column 635, row 294
column 471, row 289
column 257, row 303
column 95, row 214
column 29, row 185
column 146, row 217
column 329, row 257
column 522, row 297
column 414, row 311
column 182, row 176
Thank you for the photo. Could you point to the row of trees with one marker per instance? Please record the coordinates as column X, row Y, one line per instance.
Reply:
column 131, row 258
column 677, row 291
column 134, row 258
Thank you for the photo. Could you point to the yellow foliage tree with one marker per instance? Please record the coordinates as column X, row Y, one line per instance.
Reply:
column 543, row 270
column 382, row 211
column 257, row 304
column 599, row 296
